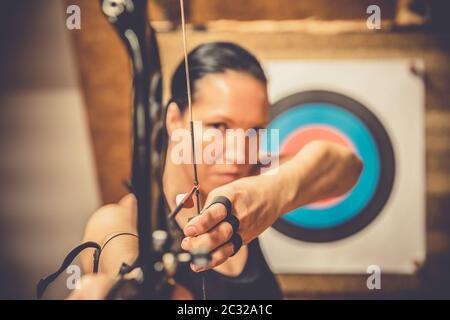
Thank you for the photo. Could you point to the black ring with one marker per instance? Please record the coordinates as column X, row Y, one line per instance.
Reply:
column 222, row 200
column 231, row 219
column 236, row 240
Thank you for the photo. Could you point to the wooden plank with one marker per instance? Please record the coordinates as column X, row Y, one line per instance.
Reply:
column 339, row 286
column 206, row 10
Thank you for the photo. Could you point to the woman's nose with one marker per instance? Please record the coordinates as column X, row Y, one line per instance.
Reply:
column 235, row 154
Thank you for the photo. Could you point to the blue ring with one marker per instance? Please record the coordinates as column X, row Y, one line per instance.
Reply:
column 333, row 116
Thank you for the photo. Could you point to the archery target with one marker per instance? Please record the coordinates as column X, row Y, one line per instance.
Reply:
column 375, row 108
column 323, row 115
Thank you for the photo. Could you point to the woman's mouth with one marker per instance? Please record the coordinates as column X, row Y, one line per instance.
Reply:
column 225, row 177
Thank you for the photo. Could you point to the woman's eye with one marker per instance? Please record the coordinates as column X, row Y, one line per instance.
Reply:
column 219, row 125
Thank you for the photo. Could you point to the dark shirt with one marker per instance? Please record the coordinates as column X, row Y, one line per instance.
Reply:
column 255, row 282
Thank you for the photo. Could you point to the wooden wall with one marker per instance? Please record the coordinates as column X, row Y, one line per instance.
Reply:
column 204, row 11
column 105, row 82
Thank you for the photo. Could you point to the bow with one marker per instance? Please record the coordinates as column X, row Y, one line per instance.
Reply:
column 159, row 253
column 129, row 17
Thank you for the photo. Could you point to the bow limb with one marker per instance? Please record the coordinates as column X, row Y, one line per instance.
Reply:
column 129, row 18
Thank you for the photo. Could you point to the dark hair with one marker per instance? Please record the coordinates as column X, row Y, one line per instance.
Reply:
column 209, row 58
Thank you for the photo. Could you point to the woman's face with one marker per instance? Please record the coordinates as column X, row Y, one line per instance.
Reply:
column 224, row 101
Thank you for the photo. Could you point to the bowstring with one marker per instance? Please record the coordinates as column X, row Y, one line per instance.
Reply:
column 191, row 121
column 191, row 117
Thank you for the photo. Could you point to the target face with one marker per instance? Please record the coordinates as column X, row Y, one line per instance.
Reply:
column 323, row 115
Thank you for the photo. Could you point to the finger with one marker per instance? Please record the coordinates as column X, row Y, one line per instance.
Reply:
column 210, row 240
column 205, row 221
column 218, row 257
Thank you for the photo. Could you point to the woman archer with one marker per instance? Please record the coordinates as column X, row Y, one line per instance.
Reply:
column 229, row 92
